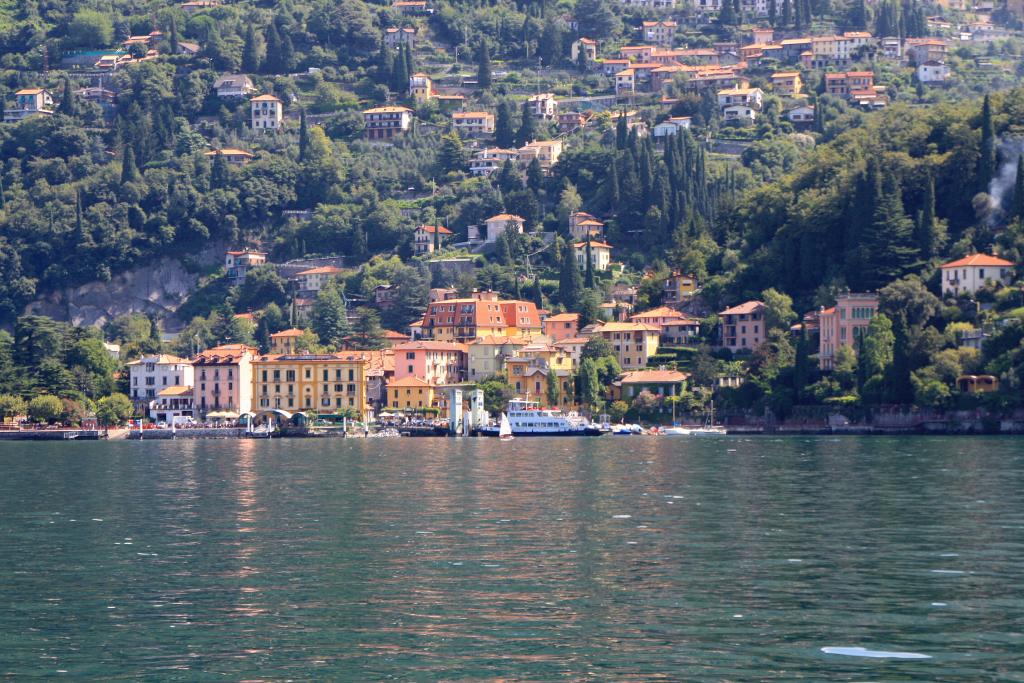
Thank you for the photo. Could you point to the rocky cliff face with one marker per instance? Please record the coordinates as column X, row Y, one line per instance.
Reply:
column 158, row 288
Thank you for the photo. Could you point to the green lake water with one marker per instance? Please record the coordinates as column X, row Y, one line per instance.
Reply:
column 610, row 559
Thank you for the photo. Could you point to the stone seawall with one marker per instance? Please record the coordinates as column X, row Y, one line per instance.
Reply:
column 230, row 433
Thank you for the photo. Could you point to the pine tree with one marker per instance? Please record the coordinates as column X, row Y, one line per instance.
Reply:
column 329, row 317
column 303, row 136
column 129, row 172
column 483, row 65
column 570, row 284
column 252, row 51
column 1018, row 191
column 527, row 131
column 68, row 105
column 888, row 239
column 452, row 157
column 987, row 160
column 287, row 54
column 504, row 133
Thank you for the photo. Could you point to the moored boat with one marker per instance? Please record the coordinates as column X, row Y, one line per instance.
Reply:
column 527, row 418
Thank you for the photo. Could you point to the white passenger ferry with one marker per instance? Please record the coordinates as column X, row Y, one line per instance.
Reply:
column 529, row 419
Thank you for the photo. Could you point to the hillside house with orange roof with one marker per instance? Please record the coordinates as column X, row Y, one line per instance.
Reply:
column 267, row 113
column 971, row 273
column 743, row 326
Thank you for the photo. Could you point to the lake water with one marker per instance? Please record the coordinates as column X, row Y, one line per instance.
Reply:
column 612, row 559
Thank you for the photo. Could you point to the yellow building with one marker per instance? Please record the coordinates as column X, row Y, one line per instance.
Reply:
column 410, row 394
column 421, row 88
column 633, row 343
column 324, row 384
column 679, row 286
column 285, row 340
column 534, row 367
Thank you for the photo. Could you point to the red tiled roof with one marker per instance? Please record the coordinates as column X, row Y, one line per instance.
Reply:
column 977, row 260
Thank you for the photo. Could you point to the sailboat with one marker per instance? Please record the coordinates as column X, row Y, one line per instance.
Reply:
column 708, row 429
column 505, row 431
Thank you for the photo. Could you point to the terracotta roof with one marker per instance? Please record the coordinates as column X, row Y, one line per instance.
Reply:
column 628, row 327
column 563, row 317
column 230, row 152
column 387, row 110
column 176, row 391
column 471, row 114
column 431, row 346
column 659, row 312
column 434, row 228
column 600, row 245
column 506, row 217
column 977, row 260
column 571, row 341
column 293, row 332
column 744, row 308
column 653, row 377
column 265, row 98
column 408, row 382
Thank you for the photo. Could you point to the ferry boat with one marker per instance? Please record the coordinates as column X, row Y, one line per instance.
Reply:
column 527, row 418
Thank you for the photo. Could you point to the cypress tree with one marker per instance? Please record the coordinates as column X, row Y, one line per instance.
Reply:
column 400, row 73
column 129, row 172
column 801, row 367
column 219, row 173
column 303, row 136
column 614, row 195
column 727, row 15
column 274, row 59
column 504, row 133
column 535, row 176
column 173, row 38
column 787, row 12
column 621, row 132
column 3, row 194
column 483, row 65
column 987, row 161
column 385, row 59
column 570, row 284
column 527, row 131
column 68, row 106
column 536, row 292
column 589, row 280
column 410, row 61
column 252, row 57
column 926, row 236
column 773, row 12
column 1018, row 191
column 79, row 227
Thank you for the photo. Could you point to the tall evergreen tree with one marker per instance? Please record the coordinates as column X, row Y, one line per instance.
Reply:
column 252, row 50
column 727, row 15
column 588, row 281
column 68, row 105
column 888, row 238
column 220, row 175
column 527, row 129
column 787, row 12
column 129, row 172
column 987, row 160
column 173, row 39
column 400, row 73
column 927, row 230
column 570, row 284
column 273, row 63
column 329, row 317
column 535, row 176
column 483, row 65
column 504, row 132
column 773, row 12
column 303, row 136
column 621, row 131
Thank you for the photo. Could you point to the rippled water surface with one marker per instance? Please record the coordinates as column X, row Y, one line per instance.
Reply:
column 614, row 559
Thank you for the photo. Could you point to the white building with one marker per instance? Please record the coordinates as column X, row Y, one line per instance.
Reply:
column 971, row 273
column 600, row 255
column 496, row 225
column 802, row 114
column 162, row 384
column 739, row 112
column 543, row 105
column 29, row 102
column 234, row 85
column 311, row 281
column 487, row 161
column 932, row 72
column 671, row 126
column 267, row 113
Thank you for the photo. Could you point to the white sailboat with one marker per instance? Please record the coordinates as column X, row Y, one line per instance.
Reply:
column 505, row 430
column 709, row 428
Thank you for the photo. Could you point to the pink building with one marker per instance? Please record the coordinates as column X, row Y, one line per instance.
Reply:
column 561, row 326
column 843, row 324
column 223, row 380
column 743, row 326
column 431, row 361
